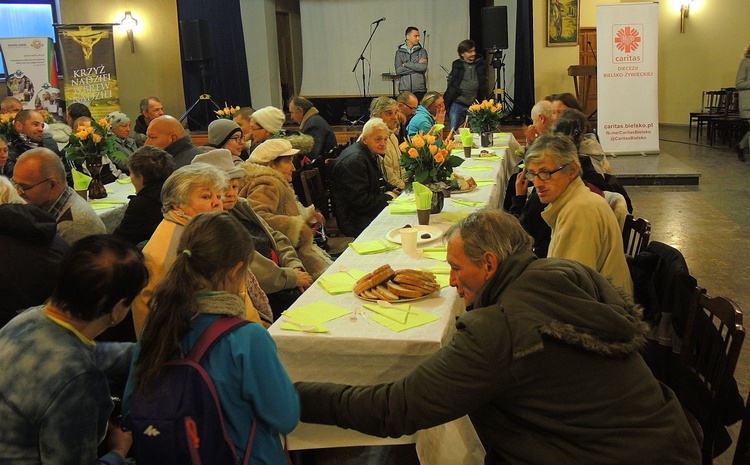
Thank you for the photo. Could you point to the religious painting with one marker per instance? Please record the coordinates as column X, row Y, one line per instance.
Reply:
column 562, row 23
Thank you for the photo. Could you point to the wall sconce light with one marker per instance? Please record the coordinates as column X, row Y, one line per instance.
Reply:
column 129, row 23
column 684, row 13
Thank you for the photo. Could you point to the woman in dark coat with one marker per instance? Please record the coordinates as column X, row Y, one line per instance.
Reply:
column 149, row 167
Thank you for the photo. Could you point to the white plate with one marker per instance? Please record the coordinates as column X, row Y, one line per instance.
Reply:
column 464, row 191
column 399, row 301
column 435, row 233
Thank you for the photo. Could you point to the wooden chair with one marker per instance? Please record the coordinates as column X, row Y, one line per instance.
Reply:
column 713, row 339
column 713, row 104
column 636, row 232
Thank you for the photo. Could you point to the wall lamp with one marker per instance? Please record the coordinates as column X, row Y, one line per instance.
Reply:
column 684, row 13
column 129, row 23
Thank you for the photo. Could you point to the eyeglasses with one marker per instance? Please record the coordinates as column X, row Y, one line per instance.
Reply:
column 22, row 189
column 410, row 107
column 237, row 138
column 543, row 175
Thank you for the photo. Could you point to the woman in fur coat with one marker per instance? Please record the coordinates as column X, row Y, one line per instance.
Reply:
column 268, row 189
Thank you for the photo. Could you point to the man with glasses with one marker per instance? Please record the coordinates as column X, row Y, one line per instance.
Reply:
column 39, row 177
column 584, row 227
column 407, row 108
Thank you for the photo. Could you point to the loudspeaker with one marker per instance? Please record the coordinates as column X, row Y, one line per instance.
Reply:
column 495, row 28
column 196, row 43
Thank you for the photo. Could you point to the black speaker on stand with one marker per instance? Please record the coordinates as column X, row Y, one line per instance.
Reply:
column 196, row 54
column 495, row 41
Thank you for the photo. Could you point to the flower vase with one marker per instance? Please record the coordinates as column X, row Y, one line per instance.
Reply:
column 96, row 187
column 486, row 139
column 438, row 200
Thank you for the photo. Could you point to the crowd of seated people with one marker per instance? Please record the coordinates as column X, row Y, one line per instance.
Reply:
column 245, row 170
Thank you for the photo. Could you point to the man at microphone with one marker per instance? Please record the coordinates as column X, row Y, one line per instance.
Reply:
column 411, row 64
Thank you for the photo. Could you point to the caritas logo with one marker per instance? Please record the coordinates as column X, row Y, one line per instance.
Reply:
column 627, row 44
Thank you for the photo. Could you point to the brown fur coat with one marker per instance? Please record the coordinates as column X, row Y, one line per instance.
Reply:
column 273, row 199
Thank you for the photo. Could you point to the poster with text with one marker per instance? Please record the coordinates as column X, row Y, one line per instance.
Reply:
column 32, row 73
column 88, row 58
column 627, row 77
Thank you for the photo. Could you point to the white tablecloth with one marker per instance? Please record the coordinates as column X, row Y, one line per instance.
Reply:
column 111, row 209
column 364, row 352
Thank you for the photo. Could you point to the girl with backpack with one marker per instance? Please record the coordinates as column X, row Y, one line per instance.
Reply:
column 254, row 390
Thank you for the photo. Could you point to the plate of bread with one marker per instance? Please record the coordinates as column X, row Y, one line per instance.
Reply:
column 461, row 184
column 395, row 286
column 426, row 233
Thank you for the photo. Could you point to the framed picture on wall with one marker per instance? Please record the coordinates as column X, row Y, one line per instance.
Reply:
column 562, row 23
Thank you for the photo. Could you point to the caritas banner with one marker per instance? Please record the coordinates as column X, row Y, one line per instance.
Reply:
column 88, row 58
column 32, row 73
column 627, row 36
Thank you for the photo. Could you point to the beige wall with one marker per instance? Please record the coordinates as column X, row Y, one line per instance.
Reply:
column 705, row 57
column 155, row 68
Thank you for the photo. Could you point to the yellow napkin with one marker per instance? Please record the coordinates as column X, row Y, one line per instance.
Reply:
column 415, row 317
column 401, row 209
column 436, row 253
column 491, row 158
column 484, row 182
column 104, row 206
column 403, row 198
column 108, row 202
column 438, row 128
column 373, row 247
column 397, row 313
column 314, row 314
column 468, row 203
column 80, row 181
column 423, row 196
column 467, row 138
column 340, row 283
column 438, row 269
column 454, row 217
column 124, row 181
column 478, row 168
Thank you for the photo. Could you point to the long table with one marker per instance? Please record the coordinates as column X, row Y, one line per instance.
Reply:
column 111, row 209
column 364, row 352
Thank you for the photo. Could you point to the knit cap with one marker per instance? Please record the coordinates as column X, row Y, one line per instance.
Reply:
column 221, row 130
column 117, row 118
column 271, row 150
column 269, row 118
column 222, row 159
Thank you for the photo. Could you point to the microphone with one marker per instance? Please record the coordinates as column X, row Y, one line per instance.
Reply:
column 424, row 33
column 381, row 19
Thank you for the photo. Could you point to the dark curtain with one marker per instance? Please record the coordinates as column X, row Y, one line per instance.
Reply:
column 227, row 79
column 523, row 93
column 524, row 90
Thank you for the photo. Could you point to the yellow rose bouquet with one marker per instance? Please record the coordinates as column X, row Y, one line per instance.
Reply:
column 426, row 159
column 93, row 140
column 6, row 124
column 485, row 116
column 227, row 112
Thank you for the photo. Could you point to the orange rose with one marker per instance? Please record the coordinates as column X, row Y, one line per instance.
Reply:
column 433, row 149
column 418, row 141
column 449, row 146
column 96, row 138
column 430, row 139
column 413, row 152
column 404, row 147
column 440, row 156
column 82, row 134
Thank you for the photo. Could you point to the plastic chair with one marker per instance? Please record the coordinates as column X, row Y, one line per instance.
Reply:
column 636, row 232
column 710, row 350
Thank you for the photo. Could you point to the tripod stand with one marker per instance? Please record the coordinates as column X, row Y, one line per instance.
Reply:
column 501, row 96
column 361, row 60
column 205, row 98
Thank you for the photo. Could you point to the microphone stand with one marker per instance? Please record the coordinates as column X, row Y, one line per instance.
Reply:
column 593, row 113
column 361, row 60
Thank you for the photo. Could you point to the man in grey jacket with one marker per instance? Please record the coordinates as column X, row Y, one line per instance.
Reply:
column 546, row 365
column 411, row 64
